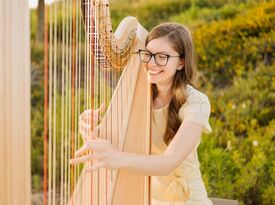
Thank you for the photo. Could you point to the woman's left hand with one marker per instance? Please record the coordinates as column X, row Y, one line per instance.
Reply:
column 101, row 153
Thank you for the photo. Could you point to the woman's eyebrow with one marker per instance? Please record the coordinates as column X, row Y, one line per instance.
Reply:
column 164, row 52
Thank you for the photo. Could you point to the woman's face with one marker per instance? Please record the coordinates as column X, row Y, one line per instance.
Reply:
column 158, row 74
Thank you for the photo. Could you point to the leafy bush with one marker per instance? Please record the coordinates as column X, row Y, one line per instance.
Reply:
column 36, row 183
column 238, row 158
column 149, row 13
column 232, row 47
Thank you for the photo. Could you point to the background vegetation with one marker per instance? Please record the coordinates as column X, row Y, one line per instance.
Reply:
column 235, row 44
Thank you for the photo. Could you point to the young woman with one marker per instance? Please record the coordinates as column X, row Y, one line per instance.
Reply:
column 180, row 116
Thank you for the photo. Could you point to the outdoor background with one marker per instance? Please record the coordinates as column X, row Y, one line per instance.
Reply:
column 235, row 46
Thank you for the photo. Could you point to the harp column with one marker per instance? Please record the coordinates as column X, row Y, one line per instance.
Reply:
column 15, row 166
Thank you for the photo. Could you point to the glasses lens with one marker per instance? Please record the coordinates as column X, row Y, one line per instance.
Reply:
column 161, row 59
column 145, row 56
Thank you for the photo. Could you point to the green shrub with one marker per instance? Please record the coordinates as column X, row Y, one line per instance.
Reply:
column 232, row 47
column 238, row 157
column 149, row 13
column 36, row 183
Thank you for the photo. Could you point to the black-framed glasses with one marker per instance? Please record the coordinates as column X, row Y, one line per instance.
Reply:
column 161, row 59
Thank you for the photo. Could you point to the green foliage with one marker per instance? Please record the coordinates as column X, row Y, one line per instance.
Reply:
column 196, row 16
column 36, row 183
column 232, row 47
column 37, row 112
column 218, row 162
column 150, row 13
column 33, row 22
column 239, row 163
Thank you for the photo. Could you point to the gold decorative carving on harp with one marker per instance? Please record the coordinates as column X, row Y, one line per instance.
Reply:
column 86, row 64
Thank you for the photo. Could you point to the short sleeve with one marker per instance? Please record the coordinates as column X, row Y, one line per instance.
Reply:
column 196, row 109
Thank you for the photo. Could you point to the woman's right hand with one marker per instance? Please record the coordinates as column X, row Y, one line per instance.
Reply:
column 88, row 120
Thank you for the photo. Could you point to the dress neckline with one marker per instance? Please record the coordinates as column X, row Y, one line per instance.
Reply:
column 188, row 87
column 161, row 108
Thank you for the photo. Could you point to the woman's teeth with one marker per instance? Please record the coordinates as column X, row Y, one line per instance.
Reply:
column 153, row 72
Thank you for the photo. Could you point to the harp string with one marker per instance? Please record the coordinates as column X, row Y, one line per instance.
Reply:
column 73, row 76
column 80, row 72
column 96, row 176
column 46, row 106
column 86, row 53
column 76, row 96
column 92, row 47
column 50, row 112
column 77, row 88
column 102, row 98
column 70, row 98
column 106, row 173
column 66, row 101
column 54, row 102
column 92, row 67
column 87, row 59
column 62, row 179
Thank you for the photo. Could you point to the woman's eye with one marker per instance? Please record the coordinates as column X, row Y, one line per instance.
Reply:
column 162, row 57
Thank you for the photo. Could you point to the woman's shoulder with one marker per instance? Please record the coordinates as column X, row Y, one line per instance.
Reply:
column 196, row 108
column 196, row 102
column 195, row 96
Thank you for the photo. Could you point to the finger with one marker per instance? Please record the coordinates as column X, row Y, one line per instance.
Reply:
column 84, row 131
column 91, row 144
column 86, row 115
column 80, row 159
column 83, row 149
column 84, row 125
column 90, row 136
column 91, row 114
column 100, row 145
column 96, row 114
column 89, row 122
column 93, row 136
column 85, row 158
column 102, row 107
column 95, row 167
column 99, row 141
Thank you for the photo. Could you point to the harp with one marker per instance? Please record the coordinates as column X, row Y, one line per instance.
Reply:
column 86, row 64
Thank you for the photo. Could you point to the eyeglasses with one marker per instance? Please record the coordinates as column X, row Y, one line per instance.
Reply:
column 161, row 59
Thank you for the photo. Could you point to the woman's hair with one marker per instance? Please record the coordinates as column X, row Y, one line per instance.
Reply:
column 181, row 40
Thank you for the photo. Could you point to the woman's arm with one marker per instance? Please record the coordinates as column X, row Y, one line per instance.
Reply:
column 106, row 156
column 179, row 148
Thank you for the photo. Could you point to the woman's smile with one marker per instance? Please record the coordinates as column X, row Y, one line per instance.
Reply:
column 154, row 72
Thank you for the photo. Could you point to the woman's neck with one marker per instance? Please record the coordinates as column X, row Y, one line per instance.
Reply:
column 164, row 89
column 164, row 93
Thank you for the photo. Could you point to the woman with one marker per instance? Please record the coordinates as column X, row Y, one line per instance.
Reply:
column 180, row 115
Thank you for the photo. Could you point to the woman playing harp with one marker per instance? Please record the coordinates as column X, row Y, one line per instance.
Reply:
column 180, row 115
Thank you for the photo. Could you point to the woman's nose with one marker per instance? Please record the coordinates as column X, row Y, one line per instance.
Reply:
column 152, row 62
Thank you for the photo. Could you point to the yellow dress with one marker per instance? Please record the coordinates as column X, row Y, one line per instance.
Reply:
column 184, row 186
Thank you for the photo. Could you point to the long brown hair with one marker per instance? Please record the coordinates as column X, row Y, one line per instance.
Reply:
column 181, row 40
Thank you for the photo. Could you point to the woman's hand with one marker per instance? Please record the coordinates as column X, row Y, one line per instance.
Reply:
column 88, row 120
column 98, row 151
column 101, row 153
